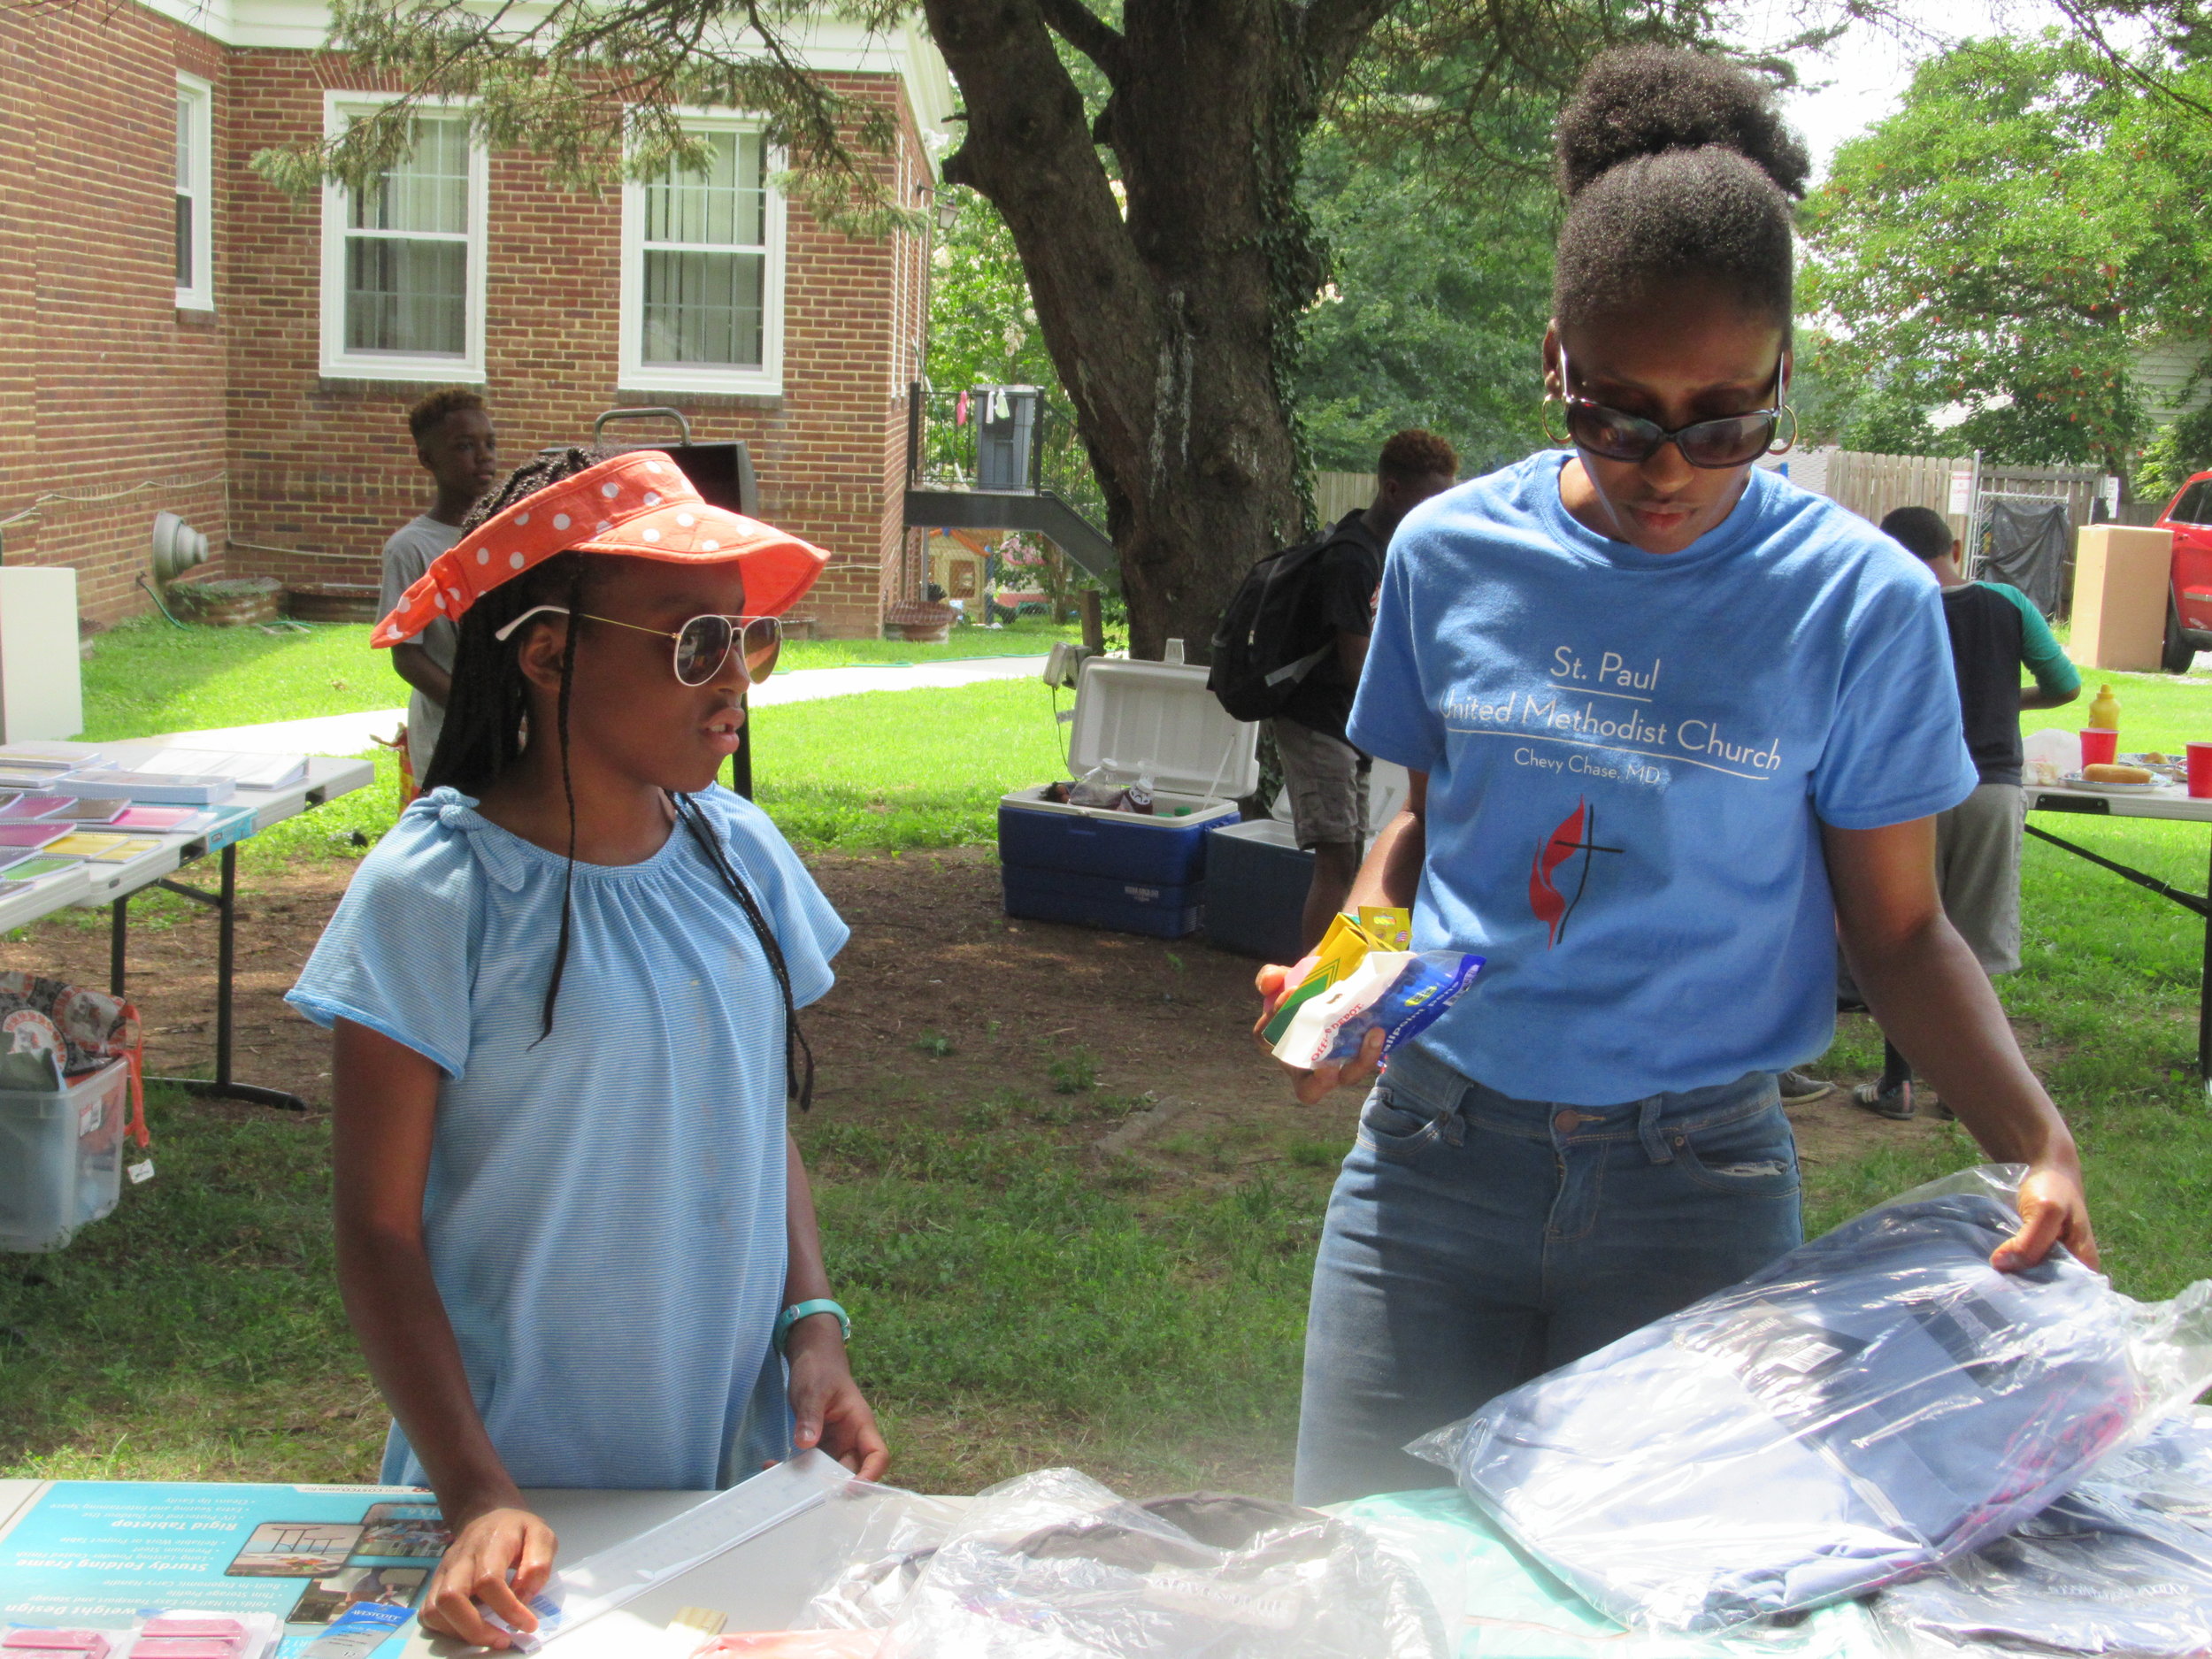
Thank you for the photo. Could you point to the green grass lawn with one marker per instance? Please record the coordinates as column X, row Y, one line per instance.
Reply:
column 146, row 677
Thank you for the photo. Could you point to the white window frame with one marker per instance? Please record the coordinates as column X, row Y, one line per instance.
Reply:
column 198, row 97
column 339, row 363
column 636, row 374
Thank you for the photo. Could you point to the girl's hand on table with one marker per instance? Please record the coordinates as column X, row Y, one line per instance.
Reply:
column 1274, row 983
column 475, row 1571
column 826, row 1405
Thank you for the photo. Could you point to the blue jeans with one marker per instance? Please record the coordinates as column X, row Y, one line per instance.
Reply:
column 1474, row 1242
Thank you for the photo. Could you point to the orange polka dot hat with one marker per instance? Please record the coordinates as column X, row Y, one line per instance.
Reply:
column 638, row 504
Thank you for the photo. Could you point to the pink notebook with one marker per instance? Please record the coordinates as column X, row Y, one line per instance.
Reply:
column 26, row 806
column 34, row 834
column 158, row 820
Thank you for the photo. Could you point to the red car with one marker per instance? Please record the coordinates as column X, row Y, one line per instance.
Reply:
column 2189, row 601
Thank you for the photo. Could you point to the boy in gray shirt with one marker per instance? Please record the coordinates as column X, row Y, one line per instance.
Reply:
column 457, row 446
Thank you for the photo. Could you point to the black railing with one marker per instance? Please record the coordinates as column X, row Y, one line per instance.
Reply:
column 941, row 450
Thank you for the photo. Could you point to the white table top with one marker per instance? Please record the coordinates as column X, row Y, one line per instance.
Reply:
column 2176, row 803
column 760, row 1585
column 91, row 884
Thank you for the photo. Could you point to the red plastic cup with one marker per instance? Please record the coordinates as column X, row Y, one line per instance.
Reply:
column 2098, row 746
column 2200, row 769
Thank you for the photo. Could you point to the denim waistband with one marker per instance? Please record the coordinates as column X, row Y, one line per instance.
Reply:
column 1418, row 1078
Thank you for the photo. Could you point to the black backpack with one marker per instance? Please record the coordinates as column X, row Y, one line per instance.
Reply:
column 1268, row 641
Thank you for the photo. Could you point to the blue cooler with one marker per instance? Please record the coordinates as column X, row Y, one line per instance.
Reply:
column 1256, row 889
column 1124, row 870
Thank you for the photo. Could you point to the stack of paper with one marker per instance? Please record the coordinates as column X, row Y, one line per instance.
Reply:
column 247, row 772
column 112, row 783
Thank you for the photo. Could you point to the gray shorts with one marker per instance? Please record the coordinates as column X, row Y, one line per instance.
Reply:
column 1325, row 778
column 1978, row 872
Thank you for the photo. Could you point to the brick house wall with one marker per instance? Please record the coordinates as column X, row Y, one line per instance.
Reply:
column 301, row 476
column 110, row 397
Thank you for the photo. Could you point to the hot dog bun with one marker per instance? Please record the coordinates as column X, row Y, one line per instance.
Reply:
column 2101, row 773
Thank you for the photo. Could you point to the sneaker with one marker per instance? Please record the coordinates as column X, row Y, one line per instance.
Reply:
column 1797, row 1089
column 1893, row 1102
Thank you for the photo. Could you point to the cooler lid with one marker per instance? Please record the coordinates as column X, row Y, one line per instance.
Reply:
column 1159, row 717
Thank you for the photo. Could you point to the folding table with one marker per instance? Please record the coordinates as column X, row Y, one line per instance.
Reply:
column 114, row 885
column 2175, row 805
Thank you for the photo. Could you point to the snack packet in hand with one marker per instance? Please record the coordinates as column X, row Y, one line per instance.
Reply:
column 1402, row 991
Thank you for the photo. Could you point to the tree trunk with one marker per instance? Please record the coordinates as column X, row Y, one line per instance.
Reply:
column 1173, row 329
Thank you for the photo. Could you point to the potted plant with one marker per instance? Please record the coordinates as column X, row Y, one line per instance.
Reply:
column 922, row 621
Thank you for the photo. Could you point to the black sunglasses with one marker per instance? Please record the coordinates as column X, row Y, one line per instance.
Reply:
column 1617, row 435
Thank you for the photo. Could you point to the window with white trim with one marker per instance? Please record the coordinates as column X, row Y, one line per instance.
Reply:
column 703, row 269
column 403, row 258
column 193, row 227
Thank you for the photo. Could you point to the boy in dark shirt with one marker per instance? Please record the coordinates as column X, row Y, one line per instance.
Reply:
column 1323, row 775
column 454, row 440
column 1995, row 631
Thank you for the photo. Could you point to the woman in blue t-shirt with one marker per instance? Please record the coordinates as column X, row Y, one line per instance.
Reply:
column 575, row 1239
column 1673, row 723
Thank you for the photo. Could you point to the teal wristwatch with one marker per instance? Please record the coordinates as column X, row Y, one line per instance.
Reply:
column 799, row 1310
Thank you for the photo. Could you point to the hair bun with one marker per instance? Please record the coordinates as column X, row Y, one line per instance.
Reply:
column 1637, row 101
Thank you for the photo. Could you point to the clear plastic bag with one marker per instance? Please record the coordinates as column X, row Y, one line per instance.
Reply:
column 1054, row 1566
column 1877, row 1403
column 2121, row 1565
column 899, row 1533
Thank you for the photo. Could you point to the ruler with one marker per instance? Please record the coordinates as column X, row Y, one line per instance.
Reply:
column 599, row 1583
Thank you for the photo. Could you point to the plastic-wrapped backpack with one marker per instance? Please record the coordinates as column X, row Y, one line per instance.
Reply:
column 1877, row 1403
column 1052, row 1565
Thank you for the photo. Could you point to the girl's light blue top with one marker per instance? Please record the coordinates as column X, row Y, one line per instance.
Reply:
column 604, row 1214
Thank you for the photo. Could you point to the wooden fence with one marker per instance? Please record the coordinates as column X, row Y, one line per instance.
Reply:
column 1336, row 493
column 1874, row 485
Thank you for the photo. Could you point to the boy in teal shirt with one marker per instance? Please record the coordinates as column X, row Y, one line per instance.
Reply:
column 1995, row 631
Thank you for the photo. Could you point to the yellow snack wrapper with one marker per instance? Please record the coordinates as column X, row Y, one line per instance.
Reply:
column 1391, row 926
column 1341, row 950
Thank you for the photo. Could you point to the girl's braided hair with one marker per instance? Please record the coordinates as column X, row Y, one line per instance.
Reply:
column 487, row 722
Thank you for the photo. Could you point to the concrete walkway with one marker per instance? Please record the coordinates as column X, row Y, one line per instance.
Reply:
column 355, row 733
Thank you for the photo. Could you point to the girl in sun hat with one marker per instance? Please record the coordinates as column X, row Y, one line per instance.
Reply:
column 574, row 1237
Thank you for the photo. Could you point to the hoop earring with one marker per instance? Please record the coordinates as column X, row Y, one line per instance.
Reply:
column 1790, row 442
column 1543, row 420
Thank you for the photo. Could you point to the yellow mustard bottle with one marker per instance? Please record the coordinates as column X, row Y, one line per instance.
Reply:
column 2104, row 710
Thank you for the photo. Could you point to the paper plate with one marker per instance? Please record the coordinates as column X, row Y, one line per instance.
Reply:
column 2075, row 780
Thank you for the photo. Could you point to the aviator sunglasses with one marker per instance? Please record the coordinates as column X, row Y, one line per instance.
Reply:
column 1617, row 435
column 703, row 644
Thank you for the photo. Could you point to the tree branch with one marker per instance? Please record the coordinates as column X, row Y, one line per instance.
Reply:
column 1333, row 32
column 1089, row 33
column 1029, row 151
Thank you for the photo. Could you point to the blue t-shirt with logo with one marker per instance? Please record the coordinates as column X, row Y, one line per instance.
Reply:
column 1629, row 757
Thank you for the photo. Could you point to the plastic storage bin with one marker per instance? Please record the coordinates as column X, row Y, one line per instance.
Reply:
column 1124, row 870
column 61, row 1157
column 1256, row 889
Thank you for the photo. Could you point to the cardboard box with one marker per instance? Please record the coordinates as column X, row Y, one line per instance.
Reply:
column 2122, row 577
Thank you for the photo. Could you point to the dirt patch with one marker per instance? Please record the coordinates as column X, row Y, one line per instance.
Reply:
column 943, row 1003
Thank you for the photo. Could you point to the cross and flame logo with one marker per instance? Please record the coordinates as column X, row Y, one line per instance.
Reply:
column 1552, row 904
